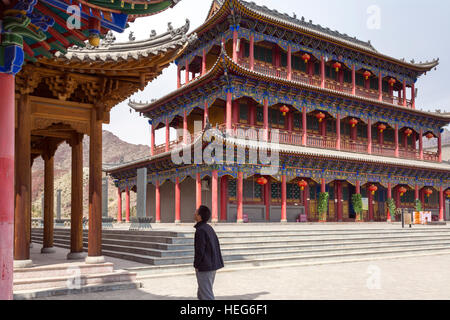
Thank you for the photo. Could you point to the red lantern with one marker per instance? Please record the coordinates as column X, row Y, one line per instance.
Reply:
column 302, row 184
column 353, row 122
column 408, row 132
column 392, row 81
column 261, row 181
column 402, row 191
column 428, row 192
column 367, row 74
column 306, row 57
column 320, row 116
column 430, row 135
column 373, row 188
column 447, row 193
column 381, row 127
column 337, row 66
column 284, row 110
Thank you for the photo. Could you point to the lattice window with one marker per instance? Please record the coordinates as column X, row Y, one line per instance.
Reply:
column 275, row 191
column 347, row 76
column 292, row 191
column 360, row 80
column 232, row 189
column 298, row 64
column 331, row 126
column 312, row 123
column 243, row 112
column 374, row 83
column 297, row 120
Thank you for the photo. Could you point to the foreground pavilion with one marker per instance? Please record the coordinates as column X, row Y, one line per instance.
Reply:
column 46, row 102
column 345, row 115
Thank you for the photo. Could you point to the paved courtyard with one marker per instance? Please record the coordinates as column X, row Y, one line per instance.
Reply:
column 424, row 277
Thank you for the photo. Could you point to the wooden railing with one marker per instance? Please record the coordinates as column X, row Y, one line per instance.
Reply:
column 328, row 142
column 302, row 77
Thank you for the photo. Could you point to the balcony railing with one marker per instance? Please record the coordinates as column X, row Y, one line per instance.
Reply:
column 302, row 77
column 329, row 142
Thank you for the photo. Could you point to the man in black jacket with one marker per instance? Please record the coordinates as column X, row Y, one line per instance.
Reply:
column 208, row 257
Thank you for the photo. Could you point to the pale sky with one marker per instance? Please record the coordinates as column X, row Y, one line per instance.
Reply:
column 409, row 29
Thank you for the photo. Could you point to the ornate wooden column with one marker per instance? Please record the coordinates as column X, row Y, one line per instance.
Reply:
column 185, row 128
column 177, row 201
column 369, row 136
column 289, row 62
column 228, row 110
column 214, row 196
column 178, row 77
column 252, row 51
column 322, row 72
column 380, row 87
column 421, row 144
column 239, row 197
column 224, row 198
column 404, row 93
column 76, row 206
column 198, row 191
column 205, row 114
column 266, row 119
column 127, row 204
column 322, row 185
column 267, row 199
column 283, row 198
column 157, row 202
column 338, row 131
column 119, row 205
column 353, row 80
column 203, row 62
column 152, row 140
column 396, row 140
column 440, row 147
column 339, row 201
column 95, row 189
column 370, row 196
column 389, row 196
column 441, row 204
column 22, row 182
column 413, row 96
column 304, row 126
column 167, row 135
column 235, row 40
column 49, row 195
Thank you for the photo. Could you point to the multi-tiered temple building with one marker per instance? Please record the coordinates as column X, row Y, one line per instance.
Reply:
column 345, row 115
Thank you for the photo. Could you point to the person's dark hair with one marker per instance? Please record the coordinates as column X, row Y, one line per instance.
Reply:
column 204, row 212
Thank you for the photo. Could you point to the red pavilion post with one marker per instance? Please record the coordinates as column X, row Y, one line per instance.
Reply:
column 7, row 178
column 177, row 201
column 119, row 205
column 239, row 197
column 214, row 196
column 389, row 196
column 283, row 198
column 441, row 204
column 157, row 203
column 127, row 204
column 223, row 198
column 198, row 190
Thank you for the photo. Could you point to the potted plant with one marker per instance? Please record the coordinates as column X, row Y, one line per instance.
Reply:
column 358, row 206
column 322, row 206
column 392, row 209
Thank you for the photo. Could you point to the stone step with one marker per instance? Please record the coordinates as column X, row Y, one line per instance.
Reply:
column 179, row 269
column 73, row 279
column 44, row 293
column 62, row 269
column 140, row 248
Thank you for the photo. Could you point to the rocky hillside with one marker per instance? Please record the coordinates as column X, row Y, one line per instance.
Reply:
column 114, row 151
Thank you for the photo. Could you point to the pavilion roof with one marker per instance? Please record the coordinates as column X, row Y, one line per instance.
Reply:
column 44, row 23
column 221, row 8
column 225, row 64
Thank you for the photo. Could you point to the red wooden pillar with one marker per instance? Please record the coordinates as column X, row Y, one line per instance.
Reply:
column 7, row 178
column 177, row 201
column 380, row 87
column 338, row 131
column 224, row 198
column 152, row 140
column 185, row 128
column 198, row 190
column 440, row 147
column 157, row 203
column 304, row 126
column 127, row 204
column 289, row 63
column 339, row 201
column 235, row 38
column 358, row 187
column 441, row 204
column 239, row 197
column 322, row 72
column 416, row 192
column 178, row 77
column 369, row 136
column 187, row 72
column 404, row 93
column 267, row 199
column 413, row 96
column 370, row 204
column 396, row 140
column 353, row 80
column 228, row 111
column 167, row 135
column 119, row 205
column 397, row 198
column 214, row 196
column 389, row 196
column 205, row 114
column 421, row 144
column 266, row 119
column 203, row 62
column 283, row 198
column 322, row 185
column 252, row 51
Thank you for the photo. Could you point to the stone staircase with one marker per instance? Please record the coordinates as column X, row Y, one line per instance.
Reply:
column 68, row 278
column 168, row 252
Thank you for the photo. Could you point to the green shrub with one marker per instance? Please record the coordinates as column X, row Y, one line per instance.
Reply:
column 322, row 205
column 357, row 204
